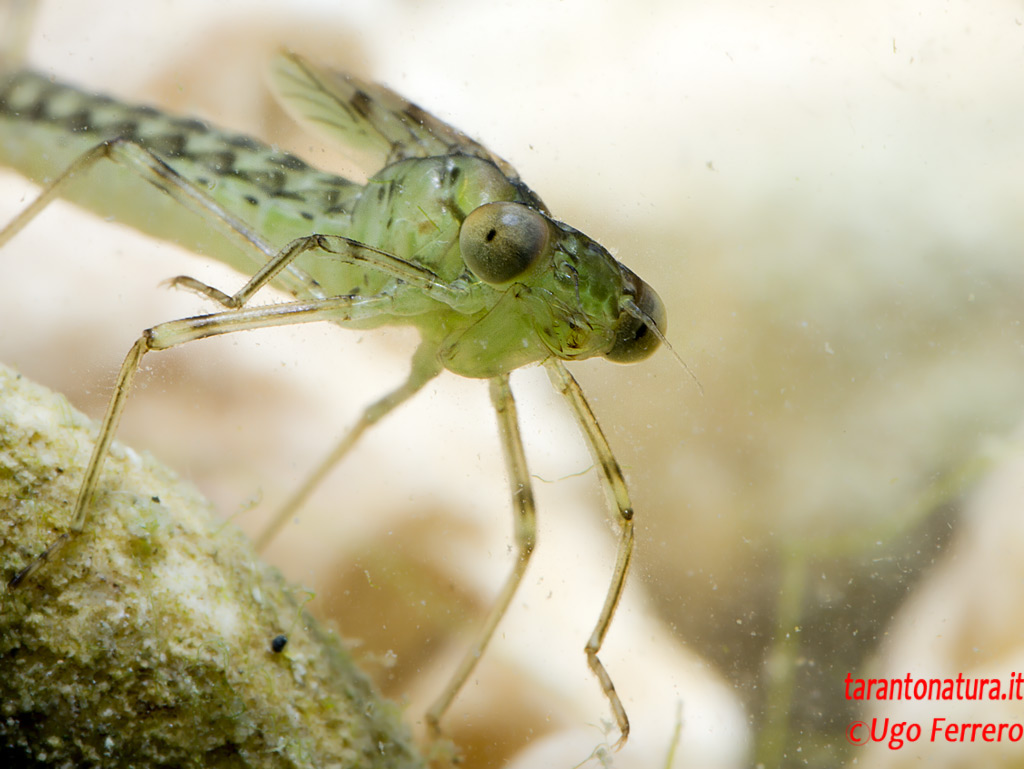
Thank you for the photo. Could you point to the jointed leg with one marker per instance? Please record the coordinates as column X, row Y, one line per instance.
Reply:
column 614, row 482
column 275, row 262
column 345, row 250
column 151, row 168
column 92, row 471
column 178, row 332
column 525, row 536
column 148, row 166
column 424, row 368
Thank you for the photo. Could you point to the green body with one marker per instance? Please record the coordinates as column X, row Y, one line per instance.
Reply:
column 443, row 236
column 574, row 301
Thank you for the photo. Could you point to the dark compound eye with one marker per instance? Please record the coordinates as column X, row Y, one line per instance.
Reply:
column 278, row 644
column 502, row 241
column 634, row 339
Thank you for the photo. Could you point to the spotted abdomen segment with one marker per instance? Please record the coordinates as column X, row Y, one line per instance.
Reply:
column 45, row 125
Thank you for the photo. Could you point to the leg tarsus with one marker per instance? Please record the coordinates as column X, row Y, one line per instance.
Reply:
column 202, row 289
column 36, row 563
column 99, row 453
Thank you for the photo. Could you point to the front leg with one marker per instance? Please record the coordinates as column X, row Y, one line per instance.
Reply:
column 178, row 332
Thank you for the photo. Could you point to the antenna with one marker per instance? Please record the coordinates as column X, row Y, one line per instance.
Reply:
column 633, row 309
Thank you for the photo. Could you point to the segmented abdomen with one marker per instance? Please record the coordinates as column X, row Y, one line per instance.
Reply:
column 45, row 126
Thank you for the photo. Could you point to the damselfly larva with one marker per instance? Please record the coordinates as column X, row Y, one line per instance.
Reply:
column 444, row 237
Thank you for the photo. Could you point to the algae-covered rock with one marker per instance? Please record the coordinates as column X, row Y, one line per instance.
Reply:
column 150, row 640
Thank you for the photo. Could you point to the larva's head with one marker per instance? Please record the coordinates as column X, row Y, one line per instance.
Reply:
column 581, row 300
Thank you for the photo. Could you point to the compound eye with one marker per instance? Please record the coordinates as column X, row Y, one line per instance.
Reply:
column 634, row 339
column 502, row 241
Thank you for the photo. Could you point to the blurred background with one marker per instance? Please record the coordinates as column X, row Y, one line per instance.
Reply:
column 826, row 196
